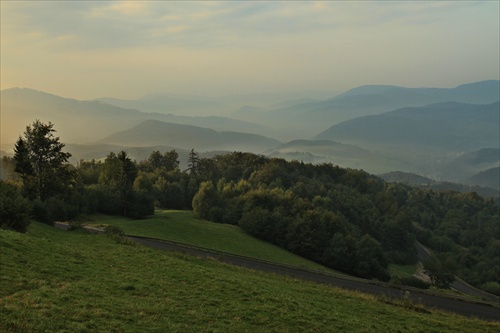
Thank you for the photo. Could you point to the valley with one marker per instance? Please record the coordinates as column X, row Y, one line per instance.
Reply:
column 380, row 129
column 249, row 166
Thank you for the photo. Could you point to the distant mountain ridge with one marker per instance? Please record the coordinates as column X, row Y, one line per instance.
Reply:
column 85, row 121
column 451, row 126
column 154, row 132
column 411, row 179
column 481, row 92
column 476, row 167
column 375, row 99
column 374, row 127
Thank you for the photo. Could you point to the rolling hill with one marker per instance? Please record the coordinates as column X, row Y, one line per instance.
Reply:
column 106, row 286
column 482, row 185
column 316, row 116
column 424, row 139
column 154, row 132
column 487, row 178
column 471, row 164
column 444, row 126
column 84, row 121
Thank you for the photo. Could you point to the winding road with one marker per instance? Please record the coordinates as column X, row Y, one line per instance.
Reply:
column 483, row 309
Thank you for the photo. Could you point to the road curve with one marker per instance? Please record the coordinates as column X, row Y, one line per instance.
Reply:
column 424, row 254
column 486, row 310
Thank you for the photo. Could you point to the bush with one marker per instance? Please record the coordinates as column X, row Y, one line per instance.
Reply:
column 491, row 287
column 61, row 210
column 114, row 230
column 116, row 233
column 40, row 212
column 411, row 281
column 13, row 208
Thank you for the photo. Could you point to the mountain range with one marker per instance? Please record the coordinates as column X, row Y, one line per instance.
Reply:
column 446, row 134
column 313, row 117
column 87, row 121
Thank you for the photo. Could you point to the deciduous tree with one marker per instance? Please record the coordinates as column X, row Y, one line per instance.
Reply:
column 41, row 162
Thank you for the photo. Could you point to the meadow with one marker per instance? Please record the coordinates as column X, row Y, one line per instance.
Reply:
column 181, row 226
column 59, row 281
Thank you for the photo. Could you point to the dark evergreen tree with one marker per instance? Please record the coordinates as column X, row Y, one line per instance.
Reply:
column 193, row 160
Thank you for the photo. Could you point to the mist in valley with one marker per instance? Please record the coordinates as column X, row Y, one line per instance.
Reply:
column 356, row 91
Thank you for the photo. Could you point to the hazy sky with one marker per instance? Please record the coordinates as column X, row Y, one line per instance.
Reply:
column 91, row 49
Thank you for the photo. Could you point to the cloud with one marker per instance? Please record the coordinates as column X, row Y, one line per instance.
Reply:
column 119, row 24
column 267, row 42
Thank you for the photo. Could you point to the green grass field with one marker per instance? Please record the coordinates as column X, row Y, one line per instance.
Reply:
column 183, row 227
column 61, row 281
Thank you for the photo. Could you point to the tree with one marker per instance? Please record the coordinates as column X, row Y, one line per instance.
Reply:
column 119, row 173
column 372, row 262
column 193, row 160
column 41, row 163
column 169, row 161
column 341, row 253
column 206, row 203
column 439, row 273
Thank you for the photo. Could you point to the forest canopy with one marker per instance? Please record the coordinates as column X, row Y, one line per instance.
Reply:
column 342, row 218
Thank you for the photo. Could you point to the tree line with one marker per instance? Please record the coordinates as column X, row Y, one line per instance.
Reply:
column 343, row 218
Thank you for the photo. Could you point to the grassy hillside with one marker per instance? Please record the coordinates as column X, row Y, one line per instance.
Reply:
column 183, row 227
column 57, row 281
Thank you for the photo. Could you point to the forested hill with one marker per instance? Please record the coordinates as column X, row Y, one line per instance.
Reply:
column 343, row 218
column 348, row 219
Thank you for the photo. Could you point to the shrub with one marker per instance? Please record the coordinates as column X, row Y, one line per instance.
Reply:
column 491, row 287
column 13, row 208
column 40, row 212
column 113, row 230
column 411, row 281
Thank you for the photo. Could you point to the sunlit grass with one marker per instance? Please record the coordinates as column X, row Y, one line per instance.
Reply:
column 183, row 227
column 403, row 270
column 59, row 281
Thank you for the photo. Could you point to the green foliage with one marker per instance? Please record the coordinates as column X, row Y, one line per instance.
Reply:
column 57, row 281
column 169, row 161
column 206, row 203
column 42, row 164
column 439, row 273
column 491, row 287
column 410, row 281
column 184, row 227
column 343, row 218
column 40, row 212
column 372, row 262
column 291, row 204
column 14, row 209
column 342, row 253
column 118, row 175
column 193, row 160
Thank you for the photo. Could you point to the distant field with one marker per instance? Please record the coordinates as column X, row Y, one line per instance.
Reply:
column 60, row 281
column 183, row 227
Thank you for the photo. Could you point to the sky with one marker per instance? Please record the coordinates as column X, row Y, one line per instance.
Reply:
column 92, row 49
